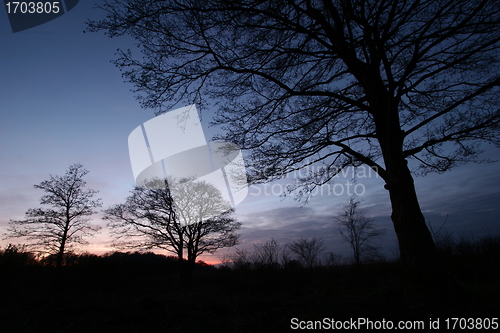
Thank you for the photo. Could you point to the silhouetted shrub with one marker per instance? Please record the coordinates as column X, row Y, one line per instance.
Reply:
column 293, row 265
column 469, row 258
column 14, row 256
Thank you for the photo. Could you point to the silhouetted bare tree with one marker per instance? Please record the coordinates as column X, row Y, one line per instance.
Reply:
column 53, row 229
column 269, row 254
column 337, row 82
column 238, row 259
column 357, row 230
column 308, row 250
column 150, row 218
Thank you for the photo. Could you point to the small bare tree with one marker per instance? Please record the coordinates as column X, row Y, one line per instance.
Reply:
column 238, row 259
column 270, row 254
column 357, row 230
column 52, row 230
column 332, row 259
column 308, row 250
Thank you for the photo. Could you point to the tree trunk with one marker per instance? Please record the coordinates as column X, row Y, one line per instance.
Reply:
column 59, row 258
column 357, row 258
column 60, row 254
column 188, row 271
column 417, row 249
column 190, row 262
column 186, row 268
column 180, row 258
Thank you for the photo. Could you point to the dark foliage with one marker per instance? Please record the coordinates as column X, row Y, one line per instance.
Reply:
column 475, row 262
column 14, row 256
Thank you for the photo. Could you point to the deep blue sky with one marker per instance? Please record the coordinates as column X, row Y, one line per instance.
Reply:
column 62, row 102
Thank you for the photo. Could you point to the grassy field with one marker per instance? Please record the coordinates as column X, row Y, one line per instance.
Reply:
column 142, row 293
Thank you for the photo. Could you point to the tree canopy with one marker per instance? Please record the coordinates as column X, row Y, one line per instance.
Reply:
column 151, row 219
column 313, row 73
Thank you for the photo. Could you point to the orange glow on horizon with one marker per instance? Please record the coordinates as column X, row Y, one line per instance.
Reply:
column 103, row 249
column 211, row 262
column 100, row 249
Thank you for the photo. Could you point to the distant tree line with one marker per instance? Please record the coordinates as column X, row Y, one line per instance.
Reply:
column 150, row 219
column 198, row 221
column 307, row 253
column 468, row 258
column 351, row 224
column 18, row 256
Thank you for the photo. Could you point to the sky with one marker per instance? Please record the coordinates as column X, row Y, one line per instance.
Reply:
column 62, row 101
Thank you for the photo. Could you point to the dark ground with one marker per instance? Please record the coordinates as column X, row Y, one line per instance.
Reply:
column 146, row 296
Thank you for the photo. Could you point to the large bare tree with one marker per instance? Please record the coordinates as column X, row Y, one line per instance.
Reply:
column 66, row 222
column 333, row 82
column 150, row 218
